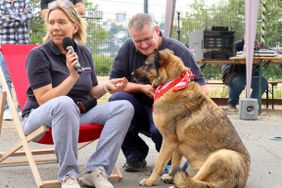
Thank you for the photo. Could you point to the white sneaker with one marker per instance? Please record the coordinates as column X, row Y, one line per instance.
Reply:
column 7, row 116
column 97, row 178
column 70, row 182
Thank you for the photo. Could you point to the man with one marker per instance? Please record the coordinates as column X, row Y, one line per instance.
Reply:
column 14, row 26
column 78, row 5
column 14, row 21
column 145, row 37
column 236, row 78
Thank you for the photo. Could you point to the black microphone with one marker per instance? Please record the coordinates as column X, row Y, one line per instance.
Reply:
column 68, row 45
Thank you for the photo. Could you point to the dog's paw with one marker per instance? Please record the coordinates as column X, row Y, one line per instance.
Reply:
column 146, row 182
column 167, row 178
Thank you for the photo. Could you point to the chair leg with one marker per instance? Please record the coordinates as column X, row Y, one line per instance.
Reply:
column 272, row 98
column 116, row 174
column 2, row 102
column 267, row 97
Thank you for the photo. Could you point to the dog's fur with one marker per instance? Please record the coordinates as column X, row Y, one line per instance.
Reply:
column 194, row 127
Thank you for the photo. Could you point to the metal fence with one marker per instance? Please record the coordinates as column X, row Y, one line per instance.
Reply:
column 107, row 27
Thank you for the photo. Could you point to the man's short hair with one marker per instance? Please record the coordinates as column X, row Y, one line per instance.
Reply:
column 139, row 20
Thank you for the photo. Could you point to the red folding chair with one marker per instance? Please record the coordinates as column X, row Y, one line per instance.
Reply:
column 15, row 56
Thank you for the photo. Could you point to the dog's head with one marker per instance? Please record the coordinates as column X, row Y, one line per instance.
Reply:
column 159, row 68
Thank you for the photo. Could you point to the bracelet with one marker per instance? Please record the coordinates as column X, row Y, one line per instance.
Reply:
column 105, row 88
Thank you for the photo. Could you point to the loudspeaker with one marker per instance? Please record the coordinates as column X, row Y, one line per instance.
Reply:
column 248, row 109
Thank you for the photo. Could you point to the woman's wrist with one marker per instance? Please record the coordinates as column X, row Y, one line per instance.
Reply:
column 106, row 88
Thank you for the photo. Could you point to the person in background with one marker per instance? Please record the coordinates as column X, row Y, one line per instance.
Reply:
column 145, row 37
column 7, row 115
column 78, row 5
column 235, row 78
column 55, row 91
column 14, row 29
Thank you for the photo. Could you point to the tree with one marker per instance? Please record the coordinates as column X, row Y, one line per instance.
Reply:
column 37, row 32
column 230, row 13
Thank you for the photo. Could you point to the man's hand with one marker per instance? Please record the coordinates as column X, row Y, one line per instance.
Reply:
column 148, row 90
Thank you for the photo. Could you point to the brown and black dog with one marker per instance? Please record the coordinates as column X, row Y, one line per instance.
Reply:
column 192, row 126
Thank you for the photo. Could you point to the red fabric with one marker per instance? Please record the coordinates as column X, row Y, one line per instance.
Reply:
column 86, row 133
column 15, row 56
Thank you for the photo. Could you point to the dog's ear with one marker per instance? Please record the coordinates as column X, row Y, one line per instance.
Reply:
column 156, row 51
column 165, row 55
column 169, row 51
column 157, row 58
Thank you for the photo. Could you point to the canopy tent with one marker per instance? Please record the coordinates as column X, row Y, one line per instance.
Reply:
column 251, row 12
column 170, row 7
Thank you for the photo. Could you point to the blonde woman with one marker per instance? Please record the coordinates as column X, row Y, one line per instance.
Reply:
column 56, row 87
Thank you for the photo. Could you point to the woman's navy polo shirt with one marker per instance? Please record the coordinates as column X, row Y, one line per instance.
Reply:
column 46, row 65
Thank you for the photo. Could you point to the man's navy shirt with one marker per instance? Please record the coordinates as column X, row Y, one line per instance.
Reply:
column 129, row 59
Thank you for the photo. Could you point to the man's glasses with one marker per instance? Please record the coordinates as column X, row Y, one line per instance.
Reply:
column 145, row 40
column 60, row 3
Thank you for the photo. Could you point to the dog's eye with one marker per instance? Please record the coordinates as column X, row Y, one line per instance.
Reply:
column 148, row 66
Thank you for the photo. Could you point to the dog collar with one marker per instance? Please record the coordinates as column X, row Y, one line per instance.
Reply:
column 177, row 84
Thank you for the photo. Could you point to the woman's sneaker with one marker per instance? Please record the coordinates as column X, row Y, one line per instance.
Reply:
column 97, row 178
column 70, row 182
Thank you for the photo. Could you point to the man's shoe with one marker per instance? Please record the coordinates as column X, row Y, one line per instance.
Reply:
column 97, row 178
column 70, row 182
column 232, row 108
column 135, row 165
column 7, row 116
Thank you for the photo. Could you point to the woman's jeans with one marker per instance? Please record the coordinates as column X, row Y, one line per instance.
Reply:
column 134, row 146
column 62, row 114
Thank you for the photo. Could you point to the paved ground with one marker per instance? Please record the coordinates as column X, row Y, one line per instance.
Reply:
column 266, row 155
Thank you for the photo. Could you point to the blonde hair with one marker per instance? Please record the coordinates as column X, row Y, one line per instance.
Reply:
column 73, row 16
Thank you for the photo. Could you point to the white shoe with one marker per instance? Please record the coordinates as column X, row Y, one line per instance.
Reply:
column 70, row 182
column 7, row 116
column 97, row 178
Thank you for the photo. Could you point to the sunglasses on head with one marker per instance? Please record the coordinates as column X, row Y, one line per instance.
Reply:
column 60, row 3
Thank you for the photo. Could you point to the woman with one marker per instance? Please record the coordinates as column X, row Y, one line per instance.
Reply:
column 56, row 87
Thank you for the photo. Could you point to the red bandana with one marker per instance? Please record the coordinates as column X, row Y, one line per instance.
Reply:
column 178, row 83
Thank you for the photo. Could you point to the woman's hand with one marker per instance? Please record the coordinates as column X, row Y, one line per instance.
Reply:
column 115, row 85
column 71, row 61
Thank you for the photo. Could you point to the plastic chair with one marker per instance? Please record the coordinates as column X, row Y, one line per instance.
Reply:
column 15, row 56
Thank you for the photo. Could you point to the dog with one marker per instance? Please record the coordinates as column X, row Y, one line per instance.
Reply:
column 192, row 126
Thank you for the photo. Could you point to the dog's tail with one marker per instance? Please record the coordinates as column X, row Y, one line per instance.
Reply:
column 182, row 180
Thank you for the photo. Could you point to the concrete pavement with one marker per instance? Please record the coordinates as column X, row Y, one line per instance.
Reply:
column 266, row 156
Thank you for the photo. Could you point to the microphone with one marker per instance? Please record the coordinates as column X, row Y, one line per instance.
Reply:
column 68, row 45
